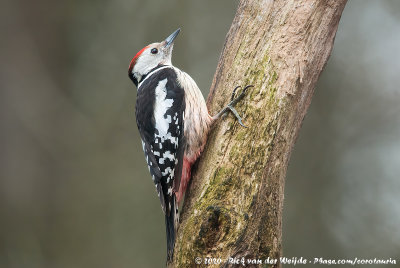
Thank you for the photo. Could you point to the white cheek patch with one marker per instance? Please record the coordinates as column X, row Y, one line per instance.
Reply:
column 146, row 62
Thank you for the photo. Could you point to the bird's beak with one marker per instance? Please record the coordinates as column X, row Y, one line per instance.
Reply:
column 170, row 39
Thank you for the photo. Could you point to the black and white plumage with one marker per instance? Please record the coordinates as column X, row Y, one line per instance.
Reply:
column 173, row 121
column 160, row 107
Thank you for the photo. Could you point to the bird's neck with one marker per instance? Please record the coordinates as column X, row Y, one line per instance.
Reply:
column 138, row 78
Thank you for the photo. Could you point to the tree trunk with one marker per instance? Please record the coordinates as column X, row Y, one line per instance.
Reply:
column 233, row 208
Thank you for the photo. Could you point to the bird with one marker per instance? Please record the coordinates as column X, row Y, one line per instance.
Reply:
column 173, row 122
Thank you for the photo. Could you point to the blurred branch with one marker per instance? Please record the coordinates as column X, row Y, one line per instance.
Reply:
column 234, row 204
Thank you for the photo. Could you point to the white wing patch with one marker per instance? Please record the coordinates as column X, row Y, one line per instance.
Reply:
column 161, row 106
column 168, row 154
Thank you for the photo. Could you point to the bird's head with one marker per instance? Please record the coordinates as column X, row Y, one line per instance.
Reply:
column 150, row 57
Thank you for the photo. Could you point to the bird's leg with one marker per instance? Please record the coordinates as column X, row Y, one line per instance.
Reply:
column 231, row 104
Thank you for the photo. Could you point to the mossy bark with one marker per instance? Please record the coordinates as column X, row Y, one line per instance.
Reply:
column 233, row 207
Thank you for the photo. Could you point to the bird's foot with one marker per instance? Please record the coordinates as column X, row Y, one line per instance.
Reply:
column 232, row 103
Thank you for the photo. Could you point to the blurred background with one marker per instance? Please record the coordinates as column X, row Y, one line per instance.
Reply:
column 75, row 190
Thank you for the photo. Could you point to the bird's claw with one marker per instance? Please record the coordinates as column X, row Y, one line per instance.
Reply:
column 232, row 103
column 241, row 94
column 234, row 92
column 233, row 110
column 236, row 100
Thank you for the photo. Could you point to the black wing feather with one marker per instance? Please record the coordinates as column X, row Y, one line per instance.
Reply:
column 153, row 145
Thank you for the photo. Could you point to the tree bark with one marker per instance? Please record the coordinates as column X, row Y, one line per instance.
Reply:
column 233, row 208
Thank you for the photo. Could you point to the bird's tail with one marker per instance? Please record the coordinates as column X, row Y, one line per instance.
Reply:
column 171, row 224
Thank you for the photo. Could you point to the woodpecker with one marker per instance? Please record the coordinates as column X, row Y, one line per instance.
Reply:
column 173, row 122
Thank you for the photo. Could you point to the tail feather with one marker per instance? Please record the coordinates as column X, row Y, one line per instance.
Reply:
column 171, row 224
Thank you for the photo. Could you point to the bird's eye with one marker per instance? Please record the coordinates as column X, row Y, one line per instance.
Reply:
column 154, row 51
